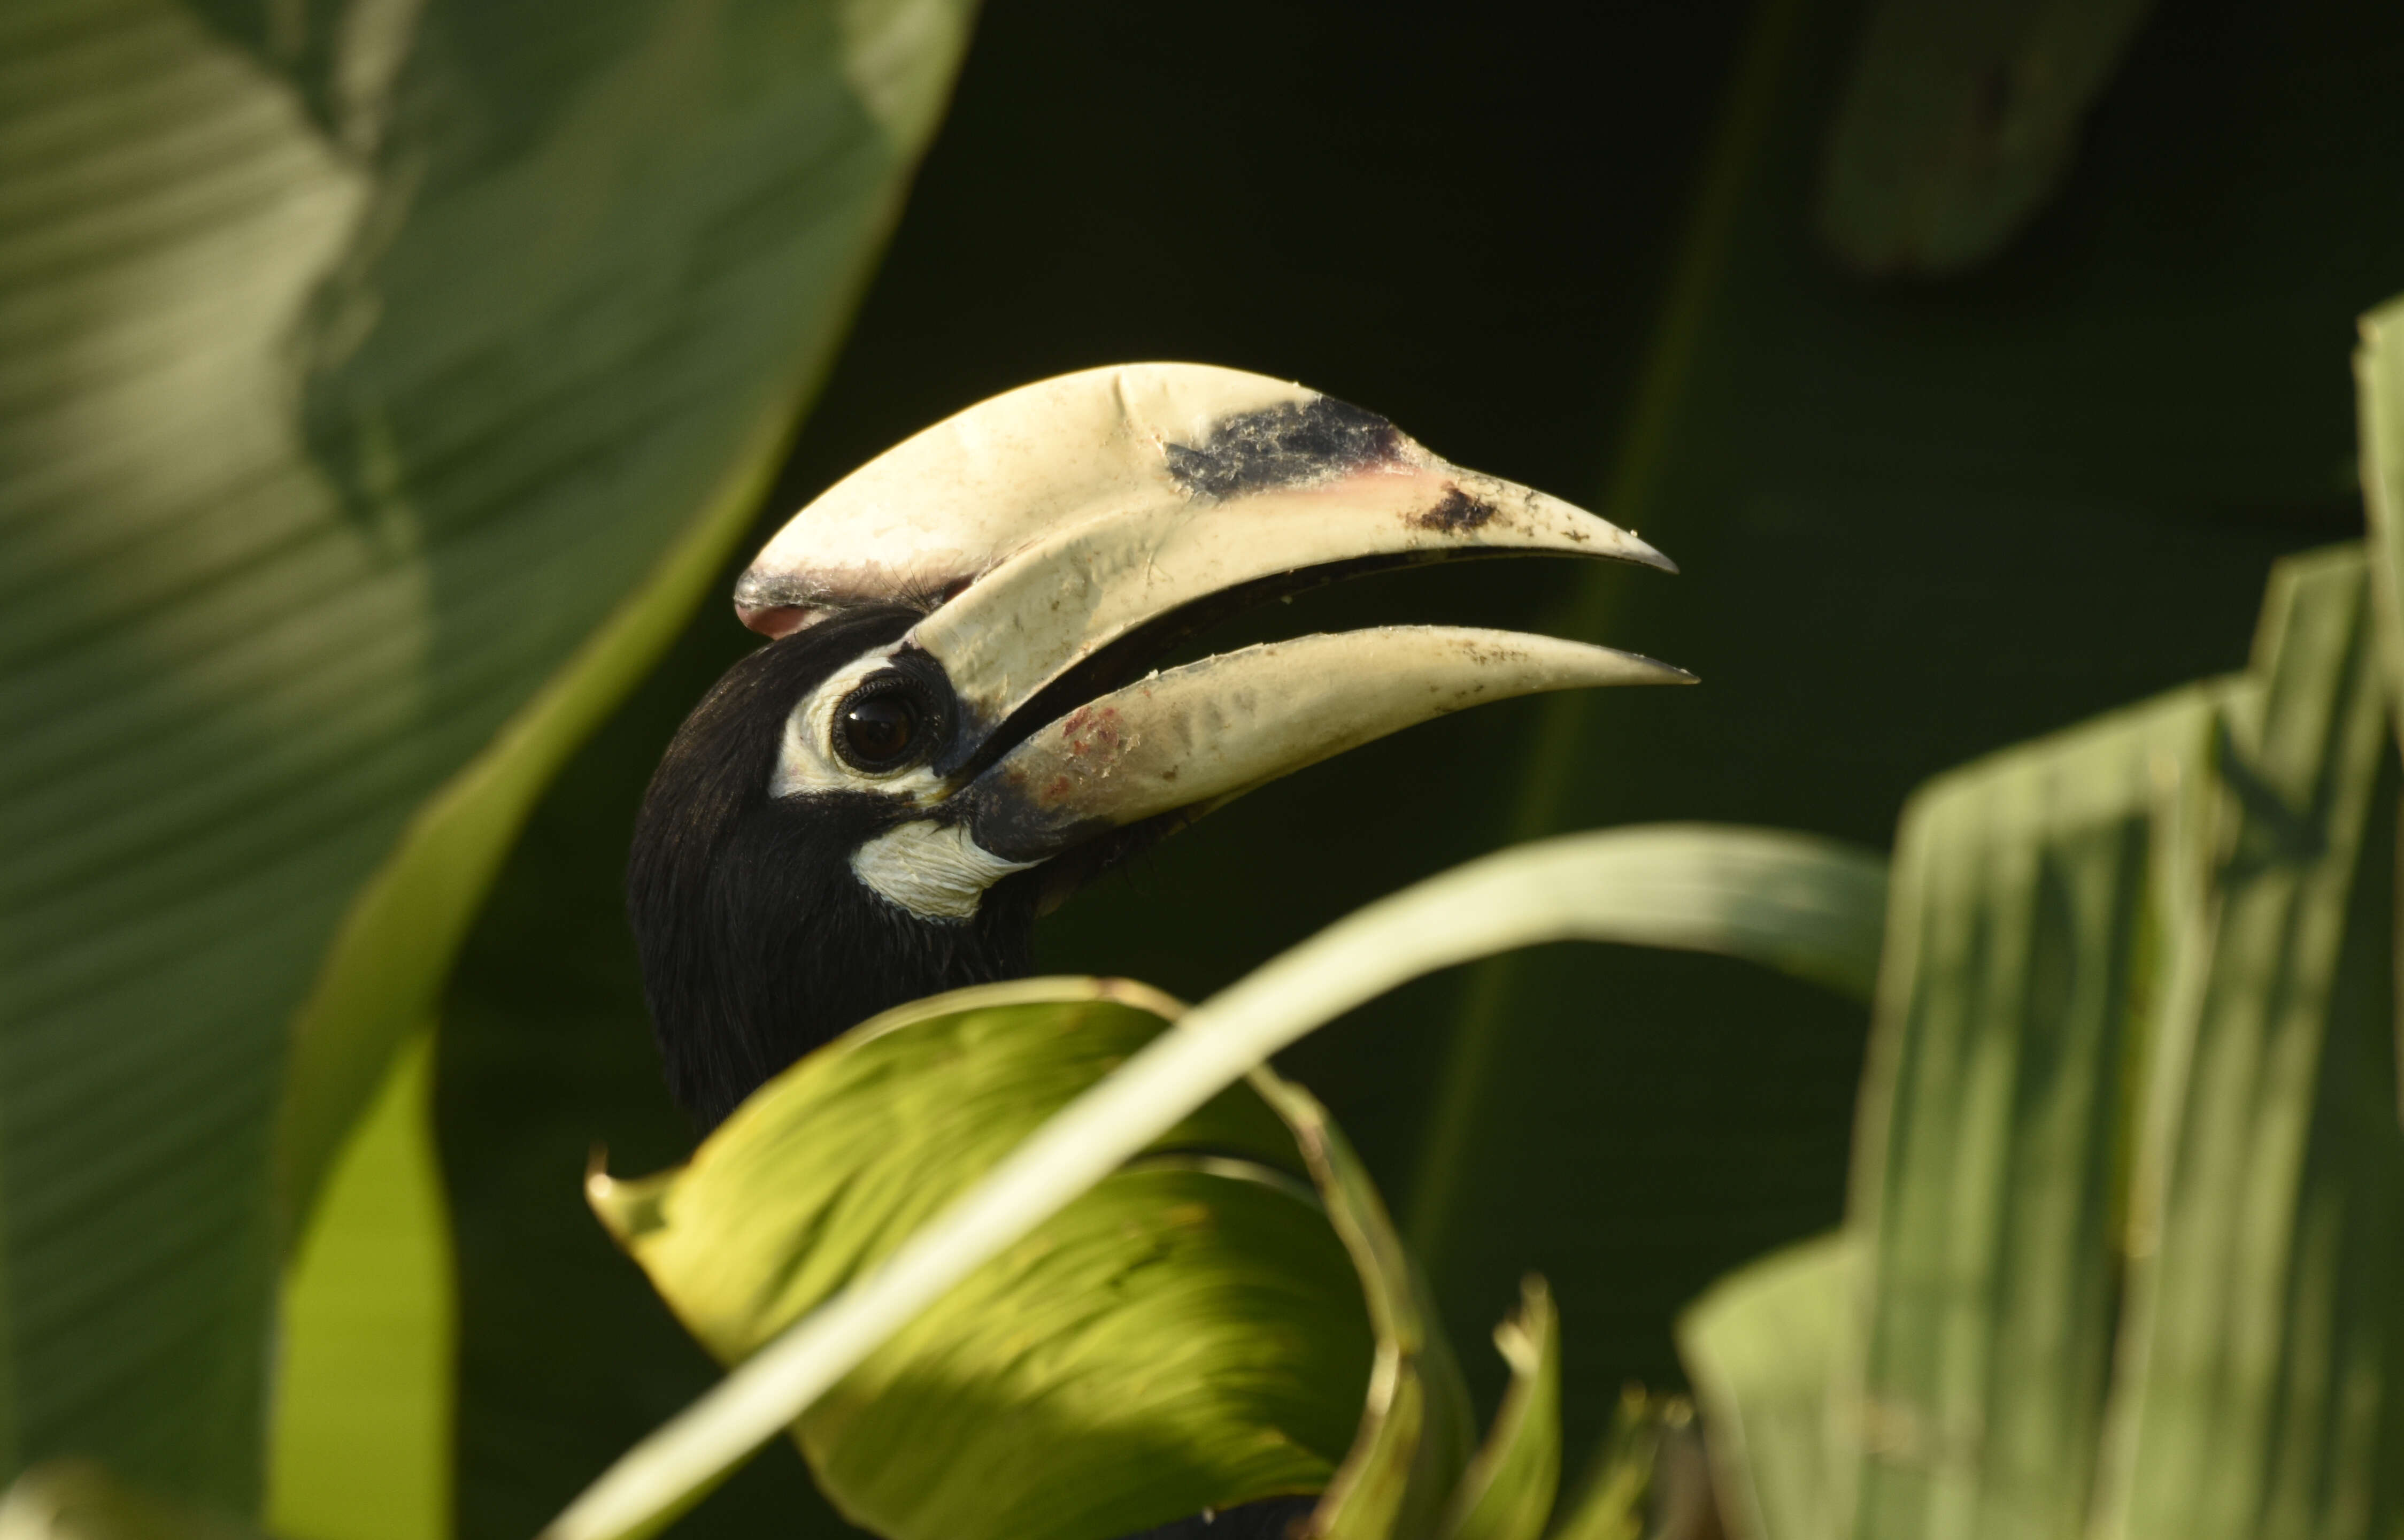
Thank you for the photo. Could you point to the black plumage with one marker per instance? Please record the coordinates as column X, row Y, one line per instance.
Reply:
column 758, row 944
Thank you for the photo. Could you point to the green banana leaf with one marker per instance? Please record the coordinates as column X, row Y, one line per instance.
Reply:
column 2261, row 1387
column 2130, row 1166
column 1188, row 1334
column 385, row 383
column 1413, row 1443
column 365, row 1411
column 2041, row 917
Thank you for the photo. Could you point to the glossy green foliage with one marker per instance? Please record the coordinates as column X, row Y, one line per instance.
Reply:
column 1189, row 1334
column 1228, row 1317
column 384, row 383
column 2125, row 1256
column 1414, row 1439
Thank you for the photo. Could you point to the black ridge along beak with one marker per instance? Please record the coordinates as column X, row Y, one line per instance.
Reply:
column 1074, row 529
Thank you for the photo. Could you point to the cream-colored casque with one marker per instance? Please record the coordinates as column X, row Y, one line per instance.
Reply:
column 1041, row 528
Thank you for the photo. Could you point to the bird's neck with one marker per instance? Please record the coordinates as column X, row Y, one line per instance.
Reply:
column 764, row 969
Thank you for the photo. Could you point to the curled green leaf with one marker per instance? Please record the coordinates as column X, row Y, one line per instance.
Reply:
column 1508, row 1491
column 1189, row 1334
column 1787, row 898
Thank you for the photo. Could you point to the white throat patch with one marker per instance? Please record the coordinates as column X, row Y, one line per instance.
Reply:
column 933, row 870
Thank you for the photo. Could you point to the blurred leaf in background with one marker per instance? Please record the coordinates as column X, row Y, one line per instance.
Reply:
column 1917, row 523
column 2125, row 1257
column 1957, row 122
column 384, row 382
column 364, row 1415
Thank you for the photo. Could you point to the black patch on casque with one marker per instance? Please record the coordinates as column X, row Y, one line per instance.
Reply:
column 1455, row 511
column 756, row 942
column 1291, row 443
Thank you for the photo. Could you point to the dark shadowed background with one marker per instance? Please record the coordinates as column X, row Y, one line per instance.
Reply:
column 1919, row 519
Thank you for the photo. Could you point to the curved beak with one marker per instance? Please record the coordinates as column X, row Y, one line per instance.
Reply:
column 1068, row 534
column 1195, row 736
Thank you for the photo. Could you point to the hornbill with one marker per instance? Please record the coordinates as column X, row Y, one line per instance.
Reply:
column 958, row 721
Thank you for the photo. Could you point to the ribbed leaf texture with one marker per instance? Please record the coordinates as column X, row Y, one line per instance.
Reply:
column 370, row 365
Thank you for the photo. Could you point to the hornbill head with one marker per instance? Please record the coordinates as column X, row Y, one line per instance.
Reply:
column 954, row 725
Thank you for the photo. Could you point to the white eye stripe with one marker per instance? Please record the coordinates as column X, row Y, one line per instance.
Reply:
column 805, row 758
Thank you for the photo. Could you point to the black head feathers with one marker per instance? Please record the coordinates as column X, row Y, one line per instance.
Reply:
column 757, row 943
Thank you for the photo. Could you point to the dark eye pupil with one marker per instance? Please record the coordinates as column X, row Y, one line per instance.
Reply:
column 881, row 728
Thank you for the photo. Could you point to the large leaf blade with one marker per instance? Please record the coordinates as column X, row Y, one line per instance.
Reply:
column 1188, row 1334
column 365, row 1419
column 2042, row 900
column 2258, row 1389
column 2138, row 1019
column 359, row 365
column 1785, row 899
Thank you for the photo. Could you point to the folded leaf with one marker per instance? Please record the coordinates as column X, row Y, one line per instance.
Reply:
column 2044, row 907
column 2261, row 1384
column 1414, row 1431
column 1189, row 1334
column 1790, row 900
column 1508, row 1491
column 2129, row 1164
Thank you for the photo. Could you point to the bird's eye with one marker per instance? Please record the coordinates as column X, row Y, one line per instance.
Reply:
column 881, row 727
